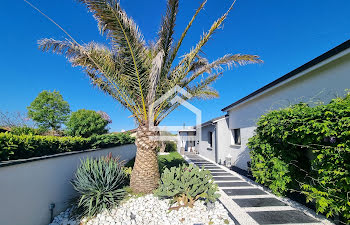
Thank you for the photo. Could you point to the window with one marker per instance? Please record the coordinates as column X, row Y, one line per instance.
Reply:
column 210, row 139
column 236, row 137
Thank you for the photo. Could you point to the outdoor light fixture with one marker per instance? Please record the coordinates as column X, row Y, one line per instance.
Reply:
column 228, row 159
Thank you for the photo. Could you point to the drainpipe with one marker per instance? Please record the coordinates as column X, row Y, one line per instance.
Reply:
column 216, row 143
column 51, row 207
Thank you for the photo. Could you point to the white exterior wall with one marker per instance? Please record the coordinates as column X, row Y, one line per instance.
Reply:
column 322, row 84
column 27, row 189
column 202, row 146
column 239, row 153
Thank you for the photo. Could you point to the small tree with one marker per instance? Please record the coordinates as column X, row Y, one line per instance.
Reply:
column 86, row 123
column 49, row 110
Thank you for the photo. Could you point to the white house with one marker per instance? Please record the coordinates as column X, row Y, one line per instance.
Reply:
column 320, row 80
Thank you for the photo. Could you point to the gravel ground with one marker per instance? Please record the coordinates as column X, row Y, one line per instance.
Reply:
column 149, row 210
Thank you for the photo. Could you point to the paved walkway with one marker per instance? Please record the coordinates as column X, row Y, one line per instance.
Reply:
column 249, row 203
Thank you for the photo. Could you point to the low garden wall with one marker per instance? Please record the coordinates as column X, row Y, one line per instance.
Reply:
column 28, row 187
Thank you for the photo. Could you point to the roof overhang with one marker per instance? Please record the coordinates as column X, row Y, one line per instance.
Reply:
column 331, row 55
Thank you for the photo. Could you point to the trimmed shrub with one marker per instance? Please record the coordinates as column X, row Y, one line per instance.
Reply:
column 25, row 131
column 14, row 147
column 170, row 146
column 174, row 159
column 110, row 140
column 99, row 183
column 186, row 184
column 306, row 149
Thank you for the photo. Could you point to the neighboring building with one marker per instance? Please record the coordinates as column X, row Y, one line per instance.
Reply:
column 186, row 146
column 132, row 132
column 320, row 80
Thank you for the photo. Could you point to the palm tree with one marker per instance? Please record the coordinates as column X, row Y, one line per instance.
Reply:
column 136, row 74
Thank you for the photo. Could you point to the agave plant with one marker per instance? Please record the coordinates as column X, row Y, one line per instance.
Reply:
column 99, row 183
column 136, row 74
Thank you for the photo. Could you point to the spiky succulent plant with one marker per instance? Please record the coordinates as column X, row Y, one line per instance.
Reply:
column 99, row 183
column 186, row 184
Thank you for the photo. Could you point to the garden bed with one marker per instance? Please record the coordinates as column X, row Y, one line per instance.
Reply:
column 186, row 195
column 151, row 210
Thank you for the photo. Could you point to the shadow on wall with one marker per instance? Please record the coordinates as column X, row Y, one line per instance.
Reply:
column 242, row 158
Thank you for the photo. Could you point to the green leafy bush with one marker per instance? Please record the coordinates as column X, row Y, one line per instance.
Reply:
column 164, row 161
column 14, row 147
column 110, row 140
column 25, row 130
column 170, row 146
column 26, row 146
column 174, row 159
column 306, row 149
column 86, row 123
column 186, row 184
column 99, row 183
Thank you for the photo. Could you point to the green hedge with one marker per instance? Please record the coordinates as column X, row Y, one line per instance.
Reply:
column 306, row 149
column 14, row 147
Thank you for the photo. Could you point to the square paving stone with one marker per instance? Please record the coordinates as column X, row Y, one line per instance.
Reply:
column 209, row 164
column 280, row 217
column 221, row 174
column 205, row 165
column 217, row 170
column 254, row 191
column 259, row 202
column 233, row 184
column 225, row 178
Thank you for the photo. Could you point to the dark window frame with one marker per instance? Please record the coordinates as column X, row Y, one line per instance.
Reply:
column 210, row 139
column 237, row 136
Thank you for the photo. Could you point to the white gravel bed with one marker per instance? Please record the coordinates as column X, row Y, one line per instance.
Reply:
column 149, row 210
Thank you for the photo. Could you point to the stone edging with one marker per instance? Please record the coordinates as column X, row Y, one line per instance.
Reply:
column 33, row 159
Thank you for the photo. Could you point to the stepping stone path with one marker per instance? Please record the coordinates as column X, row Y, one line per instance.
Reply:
column 256, row 206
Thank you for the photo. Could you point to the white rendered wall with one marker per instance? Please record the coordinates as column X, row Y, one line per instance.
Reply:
column 203, row 146
column 239, row 153
column 320, row 85
column 27, row 189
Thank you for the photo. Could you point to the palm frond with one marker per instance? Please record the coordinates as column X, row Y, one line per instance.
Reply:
column 188, row 58
column 136, row 74
column 100, row 65
column 167, row 28
column 126, row 39
column 227, row 61
column 184, row 33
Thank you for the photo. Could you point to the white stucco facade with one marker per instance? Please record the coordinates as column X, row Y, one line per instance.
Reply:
column 203, row 147
column 319, row 81
column 319, row 84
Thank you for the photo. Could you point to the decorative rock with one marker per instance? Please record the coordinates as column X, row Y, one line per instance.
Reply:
column 149, row 210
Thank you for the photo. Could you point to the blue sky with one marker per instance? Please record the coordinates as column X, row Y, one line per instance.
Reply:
column 285, row 34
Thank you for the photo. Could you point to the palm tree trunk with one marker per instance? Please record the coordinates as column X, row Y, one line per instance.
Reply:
column 145, row 174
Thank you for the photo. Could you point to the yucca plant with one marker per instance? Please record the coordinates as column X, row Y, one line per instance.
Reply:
column 99, row 183
column 137, row 74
